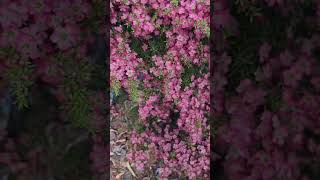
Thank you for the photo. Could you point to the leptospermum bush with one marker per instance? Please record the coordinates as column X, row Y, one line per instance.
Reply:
column 49, row 43
column 266, row 94
column 160, row 58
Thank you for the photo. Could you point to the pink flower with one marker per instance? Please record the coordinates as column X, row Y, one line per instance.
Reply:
column 264, row 52
column 145, row 47
column 65, row 37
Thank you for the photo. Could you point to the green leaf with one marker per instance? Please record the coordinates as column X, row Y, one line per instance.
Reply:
column 134, row 92
column 174, row 2
column 21, row 80
column 116, row 87
column 79, row 109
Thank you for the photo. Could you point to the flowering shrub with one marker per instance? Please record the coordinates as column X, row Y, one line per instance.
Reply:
column 160, row 58
column 46, row 43
column 266, row 92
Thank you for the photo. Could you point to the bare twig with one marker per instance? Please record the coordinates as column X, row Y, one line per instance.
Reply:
column 130, row 169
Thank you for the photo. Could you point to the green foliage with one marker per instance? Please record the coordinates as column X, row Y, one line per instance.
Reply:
column 127, row 28
column 9, row 54
column 204, row 26
column 116, row 87
column 20, row 76
column 274, row 98
column 248, row 8
column 150, row 91
column 20, row 79
column 130, row 106
column 174, row 2
column 157, row 46
column 190, row 70
column 186, row 78
column 123, row 96
column 79, row 109
column 97, row 16
column 133, row 90
column 198, row 124
column 244, row 47
column 172, row 155
column 139, row 127
column 136, row 46
column 77, row 74
column 132, row 115
column 205, row 41
column 183, row 135
column 167, row 11
column 244, row 65
column 154, row 18
column 217, row 122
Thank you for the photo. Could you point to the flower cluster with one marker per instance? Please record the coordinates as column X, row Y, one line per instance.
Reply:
column 160, row 57
column 49, row 43
column 266, row 95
